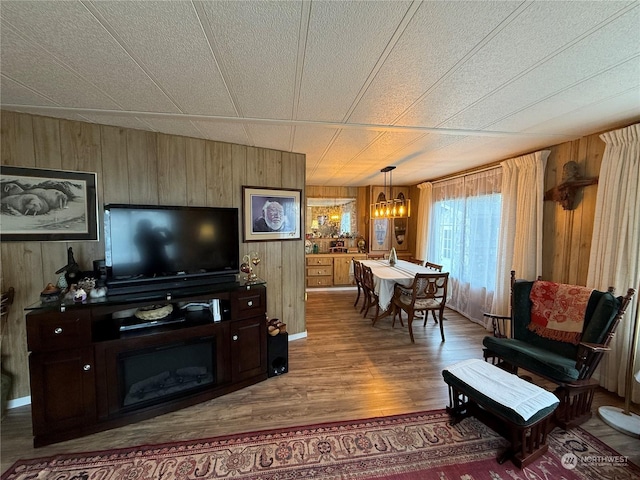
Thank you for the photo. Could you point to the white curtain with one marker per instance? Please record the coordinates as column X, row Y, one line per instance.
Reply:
column 615, row 246
column 520, row 243
column 424, row 208
column 465, row 224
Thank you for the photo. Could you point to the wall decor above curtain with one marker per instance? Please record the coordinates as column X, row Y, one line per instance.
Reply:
column 271, row 214
column 47, row 205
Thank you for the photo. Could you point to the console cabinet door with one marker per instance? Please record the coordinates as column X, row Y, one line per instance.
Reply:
column 62, row 390
column 248, row 348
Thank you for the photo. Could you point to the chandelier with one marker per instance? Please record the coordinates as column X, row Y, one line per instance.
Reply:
column 392, row 207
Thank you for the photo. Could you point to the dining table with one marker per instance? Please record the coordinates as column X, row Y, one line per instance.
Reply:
column 385, row 276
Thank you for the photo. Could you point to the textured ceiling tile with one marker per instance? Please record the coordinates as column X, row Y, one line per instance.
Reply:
column 223, row 132
column 312, row 139
column 589, row 118
column 348, row 144
column 174, row 127
column 270, row 136
column 540, row 33
column 69, row 32
column 419, row 158
column 169, row 40
column 31, row 67
column 605, row 48
column 258, row 46
column 590, row 92
column 344, row 43
column 389, row 144
column 15, row 93
column 546, row 67
column 438, row 37
column 126, row 121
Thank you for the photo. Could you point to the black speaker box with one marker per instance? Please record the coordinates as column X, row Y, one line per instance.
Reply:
column 278, row 354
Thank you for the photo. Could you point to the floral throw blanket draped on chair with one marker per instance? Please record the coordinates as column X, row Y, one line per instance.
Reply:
column 557, row 310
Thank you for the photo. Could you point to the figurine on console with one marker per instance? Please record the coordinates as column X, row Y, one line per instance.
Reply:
column 71, row 269
column 51, row 293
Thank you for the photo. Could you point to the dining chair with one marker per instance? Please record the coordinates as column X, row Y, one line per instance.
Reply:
column 357, row 276
column 375, row 256
column 427, row 292
column 417, row 261
column 432, row 266
column 370, row 296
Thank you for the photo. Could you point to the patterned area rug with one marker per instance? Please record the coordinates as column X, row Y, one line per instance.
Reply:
column 402, row 447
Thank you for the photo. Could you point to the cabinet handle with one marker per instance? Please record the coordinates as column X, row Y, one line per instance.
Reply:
column 86, row 367
column 250, row 303
column 57, row 330
column 235, row 337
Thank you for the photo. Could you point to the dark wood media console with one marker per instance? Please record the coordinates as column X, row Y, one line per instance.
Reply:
column 87, row 375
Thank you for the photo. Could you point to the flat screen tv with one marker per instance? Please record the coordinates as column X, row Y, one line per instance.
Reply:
column 152, row 243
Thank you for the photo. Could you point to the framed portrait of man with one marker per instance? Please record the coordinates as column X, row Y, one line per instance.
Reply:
column 271, row 214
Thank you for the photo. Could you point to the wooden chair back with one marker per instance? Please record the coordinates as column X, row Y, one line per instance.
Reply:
column 432, row 266
column 357, row 277
column 428, row 292
column 370, row 297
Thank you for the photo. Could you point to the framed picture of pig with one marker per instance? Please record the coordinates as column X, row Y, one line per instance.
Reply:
column 47, row 205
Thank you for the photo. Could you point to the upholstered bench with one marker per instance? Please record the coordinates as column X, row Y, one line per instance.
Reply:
column 515, row 408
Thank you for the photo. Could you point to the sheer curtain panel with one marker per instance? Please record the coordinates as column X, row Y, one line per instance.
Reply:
column 520, row 243
column 463, row 238
column 615, row 246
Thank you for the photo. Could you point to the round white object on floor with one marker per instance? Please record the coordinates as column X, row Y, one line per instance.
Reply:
column 616, row 418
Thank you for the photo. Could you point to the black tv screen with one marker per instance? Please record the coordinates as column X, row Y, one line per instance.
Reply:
column 144, row 241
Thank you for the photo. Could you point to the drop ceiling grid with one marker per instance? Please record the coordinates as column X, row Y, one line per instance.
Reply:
column 70, row 33
column 30, row 66
column 344, row 43
column 528, row 43
column 440, row 35
column 258, row 44
column 171, row 44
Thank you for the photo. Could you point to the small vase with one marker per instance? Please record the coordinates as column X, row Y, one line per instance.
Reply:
column 393, row 256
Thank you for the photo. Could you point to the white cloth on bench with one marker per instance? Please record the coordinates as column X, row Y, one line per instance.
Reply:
column 523, row 397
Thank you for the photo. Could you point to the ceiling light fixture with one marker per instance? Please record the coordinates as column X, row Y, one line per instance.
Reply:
column 393, row 207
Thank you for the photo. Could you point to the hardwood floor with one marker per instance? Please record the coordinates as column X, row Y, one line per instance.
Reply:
column 345, row 369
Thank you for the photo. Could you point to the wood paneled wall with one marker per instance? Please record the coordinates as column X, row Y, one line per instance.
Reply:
column 148, row 168
column 566, row 242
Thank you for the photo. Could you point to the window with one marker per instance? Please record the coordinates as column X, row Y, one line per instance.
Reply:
column 465, row 223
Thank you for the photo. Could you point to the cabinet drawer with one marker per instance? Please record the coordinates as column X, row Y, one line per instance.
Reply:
column 313, row 261
column 250, row 303
column 319, row 271
column 57, row 330
column 319, row 281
